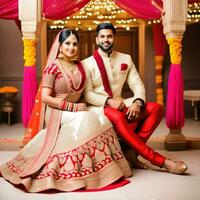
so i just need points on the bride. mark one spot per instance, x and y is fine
(76, 148)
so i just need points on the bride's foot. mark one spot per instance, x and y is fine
(139, 165)
(175, 167)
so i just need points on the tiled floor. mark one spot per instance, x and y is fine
(151, 184)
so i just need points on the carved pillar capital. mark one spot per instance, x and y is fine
(30, 16)
(174, 17)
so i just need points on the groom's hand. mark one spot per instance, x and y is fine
(116, 103)
(133, 111)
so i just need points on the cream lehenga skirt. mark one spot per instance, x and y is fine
(86, 155)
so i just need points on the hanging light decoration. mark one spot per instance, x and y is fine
(95, 12)
(194, 12)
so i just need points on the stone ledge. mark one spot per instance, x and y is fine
(157, 143)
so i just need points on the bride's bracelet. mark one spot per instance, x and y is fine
(68, 106)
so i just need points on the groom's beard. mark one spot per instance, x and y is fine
(106, 48)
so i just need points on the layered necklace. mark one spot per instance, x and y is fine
(70, 66)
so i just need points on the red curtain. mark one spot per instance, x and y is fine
(193, 1)
(159, 46)
(159, 39)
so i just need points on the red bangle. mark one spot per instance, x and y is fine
(68, 106)
(63, 105)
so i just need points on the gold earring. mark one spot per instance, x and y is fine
(60, 55)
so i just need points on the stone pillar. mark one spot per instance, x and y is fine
(30, 16)
(174, 20)
(174, 17)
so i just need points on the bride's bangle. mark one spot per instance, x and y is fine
(68, 106)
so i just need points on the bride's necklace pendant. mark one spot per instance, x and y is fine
(68, 66)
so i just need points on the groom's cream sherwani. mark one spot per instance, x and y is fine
(120, 70)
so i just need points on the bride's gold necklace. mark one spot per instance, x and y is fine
(68, 66)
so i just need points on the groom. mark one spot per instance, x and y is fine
(107, 71)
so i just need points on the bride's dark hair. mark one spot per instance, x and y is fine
(66, 33)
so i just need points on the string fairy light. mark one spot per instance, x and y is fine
(94, 13)
(97, 11)
(193, 15)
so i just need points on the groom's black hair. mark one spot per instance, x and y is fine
(105, 25)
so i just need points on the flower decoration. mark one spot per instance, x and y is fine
(159, 79)
(8, 89)
(159, 96)
(29, 52)
(175, 47)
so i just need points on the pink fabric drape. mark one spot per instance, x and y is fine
(144, 9)
(52, 9)
(8, 9)
(29, 92)
(175, 105)
(59, 9)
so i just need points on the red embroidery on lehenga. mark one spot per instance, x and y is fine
(59, 75)
(51, 69)
(86, 159)
(54, 70)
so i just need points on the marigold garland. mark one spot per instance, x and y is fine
(159, 79)
(175, 48)
(160, 99)
(159, 62)
(8, 89)
(29, 52)
(159, 96)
